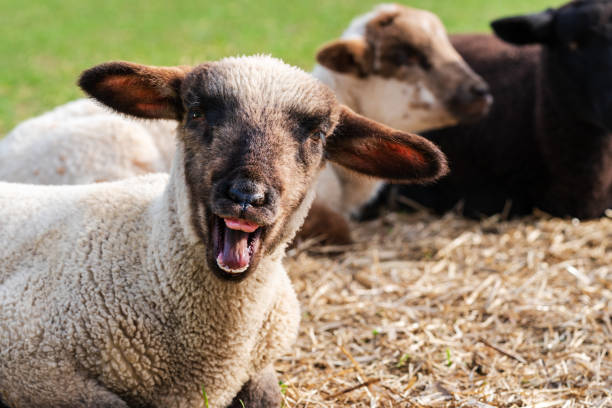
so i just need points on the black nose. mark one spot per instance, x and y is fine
(479, 90)
(247, 192)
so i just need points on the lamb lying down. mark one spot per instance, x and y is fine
(85, 142)
(145, 291)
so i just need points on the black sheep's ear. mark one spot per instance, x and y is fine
(527, 29)
(137, 90)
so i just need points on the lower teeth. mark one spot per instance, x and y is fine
(226, 269)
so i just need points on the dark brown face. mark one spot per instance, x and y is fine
(248, 167)
(254, 134)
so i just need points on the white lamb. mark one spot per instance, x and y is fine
(84, 142)
(146, 291)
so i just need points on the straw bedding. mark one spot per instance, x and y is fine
(447, 312)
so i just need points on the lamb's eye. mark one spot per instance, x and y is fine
(403, 56)
(318, 135)
(195, 119)
(195, 114)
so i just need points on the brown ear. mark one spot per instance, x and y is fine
(347, 56)
(370, 148)
(138, 90)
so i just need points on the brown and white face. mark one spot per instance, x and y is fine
(254, 134)
(410, 76)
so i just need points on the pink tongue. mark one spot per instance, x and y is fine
(235, 254)
(241, 225)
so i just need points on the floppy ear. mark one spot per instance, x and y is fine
(138, 90)
(527, 29)
(347, 56)
(373, 149)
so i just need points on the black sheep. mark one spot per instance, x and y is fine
(547, 142)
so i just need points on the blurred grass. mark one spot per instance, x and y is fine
(45, 44)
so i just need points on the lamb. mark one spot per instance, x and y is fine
(397, 66)
(84, 142)
(547, 142)
(394, 64)
(143, 292)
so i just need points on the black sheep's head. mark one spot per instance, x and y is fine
(578, 52)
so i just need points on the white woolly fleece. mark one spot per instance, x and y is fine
(107, 286)
(84, 142)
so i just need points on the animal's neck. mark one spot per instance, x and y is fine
(340, 84)
(575, 149)
(386, 100)
(564, 112)
(565, 101)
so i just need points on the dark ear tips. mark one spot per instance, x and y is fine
(137, 90)
(428, 161)
(438, 164)
(95, 81)
(346, 56)
(527, 29)
(91, 77)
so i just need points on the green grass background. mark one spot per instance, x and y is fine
(45, 44)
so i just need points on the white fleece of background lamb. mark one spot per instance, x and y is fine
(84, 142)
(110, 279)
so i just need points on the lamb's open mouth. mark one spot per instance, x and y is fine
(235, 243)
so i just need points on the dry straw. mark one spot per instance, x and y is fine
(448, 312)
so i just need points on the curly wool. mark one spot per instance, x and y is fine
(108, 287)
(84, 142)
